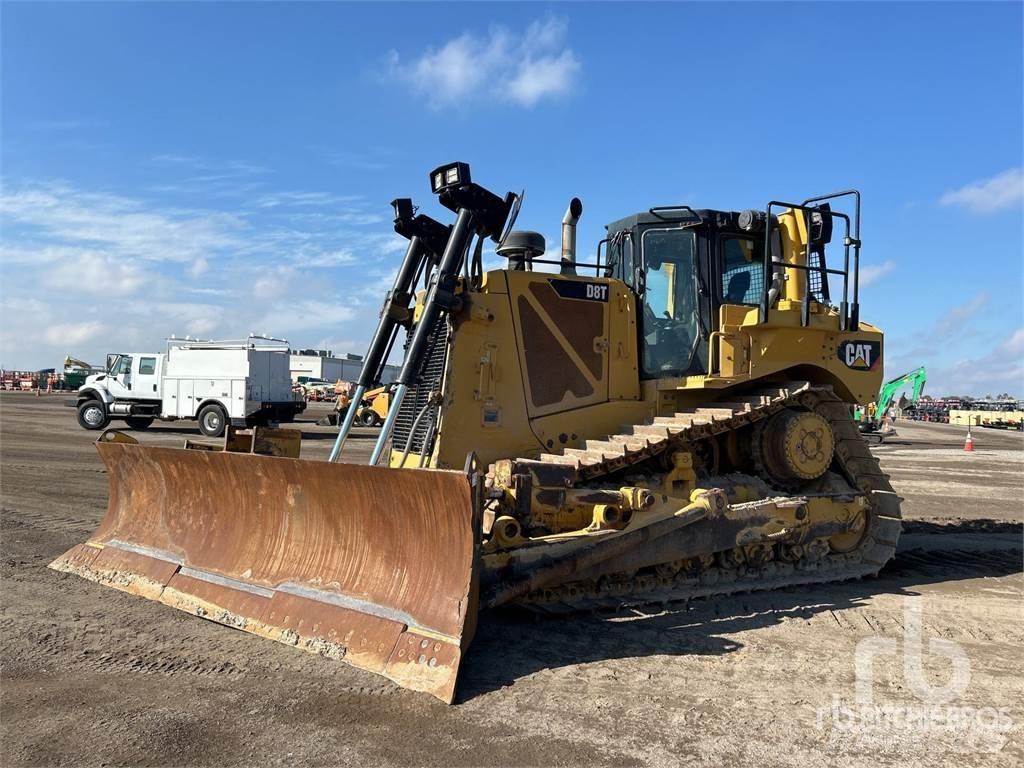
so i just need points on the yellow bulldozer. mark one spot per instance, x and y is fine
(371, 411)
(669, 421)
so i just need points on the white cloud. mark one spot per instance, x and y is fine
(119, 225)
(56, 222)
(95, 273)
(966, 360)
(272, 281)
(213, 170)
(71, 334)
(1004, 190)
(202, 326)
(198, 267)
(341, 345)
(301, 198)
(872, 272)
(333, 258)
(1014, 344)
(165, 318)
(501, 66)
(988, 375)
(109, 272)
(543, 77)
(304, 316)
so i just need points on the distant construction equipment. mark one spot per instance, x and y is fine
(870, 421)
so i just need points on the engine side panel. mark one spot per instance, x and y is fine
(538, 360)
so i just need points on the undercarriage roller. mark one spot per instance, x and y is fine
(794, 446)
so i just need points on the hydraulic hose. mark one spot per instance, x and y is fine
(412, 433)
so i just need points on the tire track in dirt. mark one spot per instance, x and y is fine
(956, 562)
(52, 521)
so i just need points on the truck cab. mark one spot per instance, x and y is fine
(130, 387)
(134, 376)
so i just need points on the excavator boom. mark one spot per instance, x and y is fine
(915, 379)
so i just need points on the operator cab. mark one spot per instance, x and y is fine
(683, 265)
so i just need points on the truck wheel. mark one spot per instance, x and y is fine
(369, 418)
(138, 422)
(92, 415)
(212, 420)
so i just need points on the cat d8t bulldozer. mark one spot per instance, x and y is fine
(669, 421)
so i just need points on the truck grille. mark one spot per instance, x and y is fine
(428, 380)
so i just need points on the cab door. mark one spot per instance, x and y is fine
(119, 378)
(146, 377)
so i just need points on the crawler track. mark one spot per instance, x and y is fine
(603, 458)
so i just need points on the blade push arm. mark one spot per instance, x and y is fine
(427, 239)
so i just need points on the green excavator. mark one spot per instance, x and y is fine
(870, 425)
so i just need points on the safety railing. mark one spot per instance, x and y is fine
(849, 308)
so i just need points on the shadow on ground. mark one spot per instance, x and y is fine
(512, 643)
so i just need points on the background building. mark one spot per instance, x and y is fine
(322, 364)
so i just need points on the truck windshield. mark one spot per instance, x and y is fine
(670, 301)
(118, 364)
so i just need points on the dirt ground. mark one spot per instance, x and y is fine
(92, 676)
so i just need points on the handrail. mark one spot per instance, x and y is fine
(849, 311)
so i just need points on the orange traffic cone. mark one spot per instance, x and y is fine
(969, 442)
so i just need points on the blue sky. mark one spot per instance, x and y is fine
(219, 169)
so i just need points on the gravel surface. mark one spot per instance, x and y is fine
(92, 676)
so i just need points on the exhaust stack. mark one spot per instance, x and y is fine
(572, 215)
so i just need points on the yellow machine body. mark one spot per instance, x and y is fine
(529, 371)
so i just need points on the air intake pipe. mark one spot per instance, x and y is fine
(572, 215)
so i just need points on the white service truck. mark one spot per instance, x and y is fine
(243, 383)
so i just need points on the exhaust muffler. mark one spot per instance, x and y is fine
(572, 216)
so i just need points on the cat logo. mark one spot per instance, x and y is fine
(860, 355)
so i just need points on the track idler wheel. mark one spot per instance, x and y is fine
(794, 447)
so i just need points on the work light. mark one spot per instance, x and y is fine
(448, 176)
(404, 208)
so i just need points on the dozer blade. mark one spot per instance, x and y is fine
(376, 567)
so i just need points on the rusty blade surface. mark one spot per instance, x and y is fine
(370, 565)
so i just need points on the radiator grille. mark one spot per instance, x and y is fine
(428, 380)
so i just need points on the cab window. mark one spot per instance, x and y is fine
(124, 365)
(742, 270)
(627, 260)
(670, 324)
(620, 257)
(147, 365)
